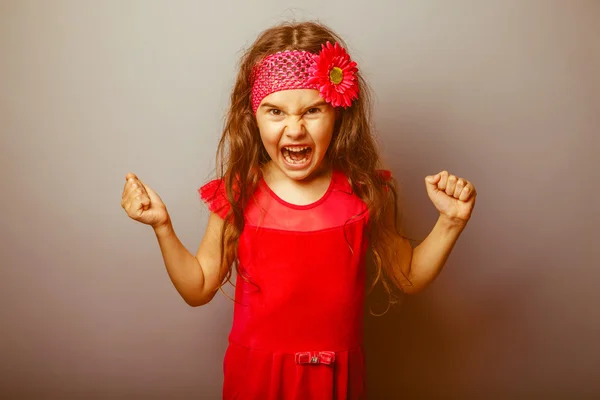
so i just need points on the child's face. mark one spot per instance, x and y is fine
(296, 127)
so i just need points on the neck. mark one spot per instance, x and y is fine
(271, 172)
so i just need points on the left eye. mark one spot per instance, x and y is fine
(313, 110)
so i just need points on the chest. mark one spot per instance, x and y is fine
(299, 261)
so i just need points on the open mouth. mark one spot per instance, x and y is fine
(296, 155)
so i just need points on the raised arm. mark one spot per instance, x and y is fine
(196, 278)
(417, 268)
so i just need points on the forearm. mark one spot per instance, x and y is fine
(183, 268)
(429, 257)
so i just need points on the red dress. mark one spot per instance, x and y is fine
(298, 317)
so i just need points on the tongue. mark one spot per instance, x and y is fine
(297, 155)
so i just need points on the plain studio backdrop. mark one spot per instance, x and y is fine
(504, 93)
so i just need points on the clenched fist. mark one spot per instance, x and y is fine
(142, 203)
(453, 197)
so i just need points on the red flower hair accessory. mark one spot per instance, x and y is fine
(331, 72)
(335, 74)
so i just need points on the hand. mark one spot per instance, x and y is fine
(453, 197)
(142, 203)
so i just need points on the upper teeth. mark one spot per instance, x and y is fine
(296, 148)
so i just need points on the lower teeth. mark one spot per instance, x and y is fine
(289, 159)
(292, 161)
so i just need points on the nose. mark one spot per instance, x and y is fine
(295, 128)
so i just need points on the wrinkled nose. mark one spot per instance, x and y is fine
(295, 129)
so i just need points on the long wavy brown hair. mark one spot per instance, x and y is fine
(353, 150)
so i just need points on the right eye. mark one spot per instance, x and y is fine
(274, 111)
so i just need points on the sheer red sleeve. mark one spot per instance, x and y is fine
(213, 195)
(385, 175)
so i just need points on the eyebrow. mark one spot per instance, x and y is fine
(318, 104)
(268, 105)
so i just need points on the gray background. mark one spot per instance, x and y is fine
(504, 93)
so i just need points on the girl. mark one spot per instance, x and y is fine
(297, 208)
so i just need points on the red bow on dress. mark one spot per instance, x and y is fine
(316, 357)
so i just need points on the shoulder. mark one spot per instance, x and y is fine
(385, 178)
(213, 194)
(382, 177)
(381, 181)
(384, 174)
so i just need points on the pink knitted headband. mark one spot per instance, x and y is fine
(331, 72)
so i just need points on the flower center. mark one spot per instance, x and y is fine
(336, 75)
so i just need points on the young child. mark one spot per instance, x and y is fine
(298, 206)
